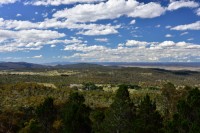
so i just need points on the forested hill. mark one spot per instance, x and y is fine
(25, 65)
(19, 65)
(164, 66)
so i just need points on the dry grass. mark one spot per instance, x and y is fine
(47, 73)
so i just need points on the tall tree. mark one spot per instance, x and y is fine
(76, 115)
(148, 119)
(46, 114)
(119, 116)
(169, 99)
(97, 118)
(187, 118)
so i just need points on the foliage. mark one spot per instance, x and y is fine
(31, 127)
(29, 108)
(91, 86)
(76, 115)
(119, 116)
(187, 118)
(169, 92)
(97, 118)
(46, 114)
(148, 118)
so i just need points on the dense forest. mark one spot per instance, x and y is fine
(71, 112)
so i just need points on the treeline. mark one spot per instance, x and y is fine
(123, 116)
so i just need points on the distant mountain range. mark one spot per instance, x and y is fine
(25, 65)
(19, 65)
(181, 64)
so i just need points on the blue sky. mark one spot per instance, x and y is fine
(43, 31)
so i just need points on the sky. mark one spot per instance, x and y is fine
(44, 31)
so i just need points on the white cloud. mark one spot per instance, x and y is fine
(135, 43)
(133, 22)
(167, 44)
(52, 46)
(149, 10)
(94, 32)
(37, 56)
(18, 15)
(66, 41)
(168, 27)
(59, 2)
(192, 26)
(110, 10)
(45, 14)
(168, 35)
(16, 24)
(174, 5)
(26, 39)
(132, 51)
(190, 39)
(84, 48)
(101, 39)
(7, 1)
(86, 29)
(198, 11)
(184, 33)
(158, 26)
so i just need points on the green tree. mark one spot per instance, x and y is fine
(76, 115)
(31, 127)
(187, 118)
(91, 86)
(97, 118)
(119, 116)
(169, 99)
(148, 119)
(46, 114)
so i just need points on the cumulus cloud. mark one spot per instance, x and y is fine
(37, 56)
(167, 44)
(7, 1)
(198, 11)
(94, 32)
(26, 39)
(101, 39)
(16, 24)
(110, 10)
(192, 26)
(135, 43)
(18, 15)
(149, 10)
(86, 29)
(174, 5)
(131, 51)
(58, 2)
(168, 35)
(190, 39)
(168, 27)
(158, 26)
(133, 22)
(84, 48)
(53, 45)
(184, 33)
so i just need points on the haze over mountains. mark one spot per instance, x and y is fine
(163, 65)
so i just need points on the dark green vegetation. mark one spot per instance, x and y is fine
(97, 99)
(122, 116)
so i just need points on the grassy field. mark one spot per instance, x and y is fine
(46, 73)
